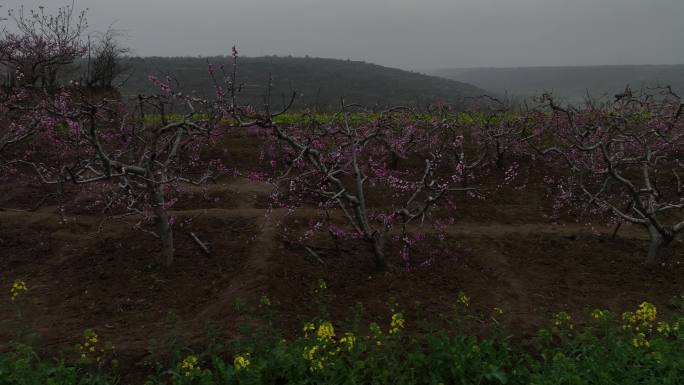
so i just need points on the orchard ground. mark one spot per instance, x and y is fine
(505, 251)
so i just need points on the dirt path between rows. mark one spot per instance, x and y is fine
(109, 282)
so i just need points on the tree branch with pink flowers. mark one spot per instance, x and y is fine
(336, 165)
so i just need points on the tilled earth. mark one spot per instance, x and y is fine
(503, 252)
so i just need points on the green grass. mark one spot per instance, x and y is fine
(360, 118)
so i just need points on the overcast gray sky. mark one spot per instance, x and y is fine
(409, 34)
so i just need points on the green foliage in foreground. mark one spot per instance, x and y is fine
(634, 350)
(24, 367)
(637, 347)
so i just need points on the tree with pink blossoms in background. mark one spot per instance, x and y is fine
(626, 161)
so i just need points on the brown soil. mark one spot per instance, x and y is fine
(503, 252)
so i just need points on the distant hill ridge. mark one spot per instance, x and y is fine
(570, 83)
(320, 83)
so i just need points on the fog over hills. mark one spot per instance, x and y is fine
(319, 83)
(569, 83)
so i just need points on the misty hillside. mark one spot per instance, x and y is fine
(569, 83)
(319, 82)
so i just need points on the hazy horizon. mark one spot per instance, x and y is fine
(429, 35)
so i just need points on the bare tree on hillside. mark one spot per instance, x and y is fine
(104, 59)
(43, 44)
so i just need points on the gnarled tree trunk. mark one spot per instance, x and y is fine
(378, 242)
(161, 219)
(660, 247)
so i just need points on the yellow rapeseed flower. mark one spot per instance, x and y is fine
(348, 340)
(639, 340)
(463, 299)
(600, 315)
(311, 355)
(241, 361)
(310, 352)
(18, 288)
(397, 323)
(376, 332)
(642, 319)
(325, 332)
(308, 327)
(189, 365)
(89, 345)
(647, 312)
(562, 321)
(664, 328)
